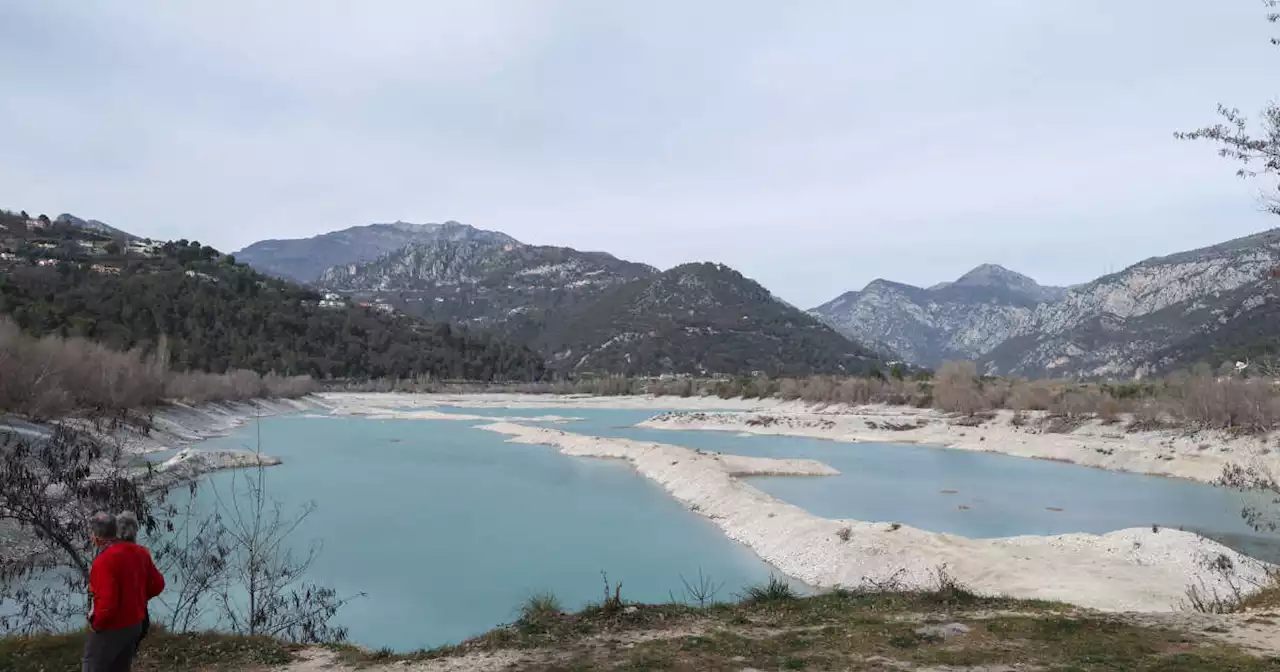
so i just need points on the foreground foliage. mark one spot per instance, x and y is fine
(230, 559)
(161, 652)
(53, 377)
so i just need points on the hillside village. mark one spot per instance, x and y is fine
(42, 242)
(67, 242)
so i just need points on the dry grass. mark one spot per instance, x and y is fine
(54, 377)
(160, 652)
(844, 630)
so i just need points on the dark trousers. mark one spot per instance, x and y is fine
(111, 650)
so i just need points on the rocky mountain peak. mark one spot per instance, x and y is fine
(986, 275)
(304, 259)
(995, 276)
(950, 320)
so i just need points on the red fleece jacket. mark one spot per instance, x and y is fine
(123, 578)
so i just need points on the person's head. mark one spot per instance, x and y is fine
(127, 526)
(102, 528)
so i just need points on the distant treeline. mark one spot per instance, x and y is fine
(1196, 398)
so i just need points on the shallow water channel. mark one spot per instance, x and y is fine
(447, 528)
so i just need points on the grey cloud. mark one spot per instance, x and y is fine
(813, 145)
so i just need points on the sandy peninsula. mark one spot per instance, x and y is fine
(1137, 569)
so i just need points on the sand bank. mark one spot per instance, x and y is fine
(178, 425)
(1181, 453)
(374, 413)
(1129, 570)
(189, 464)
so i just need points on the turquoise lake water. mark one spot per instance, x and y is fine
(447, 528)
(1006, 496)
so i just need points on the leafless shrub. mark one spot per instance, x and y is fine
(1109, 409)
(995, 393)
(1031, 396)
(50, 485)
(1076, 403)
(845, 533)
(857, 391)
(1208, 599)
(1261, 488)
(893, 583)
(54, 377)
(701, 593)
(1148, 416)
(1246, 406)
(1061, 424)
(956, 388)
(789, 389)
(612, 602)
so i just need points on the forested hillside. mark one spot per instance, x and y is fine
(218, 315)
(697, 319)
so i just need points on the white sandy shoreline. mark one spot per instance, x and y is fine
(1137, 569)
(1177, 453)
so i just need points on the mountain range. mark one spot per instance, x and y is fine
(949, 321)
(1206, 305)
(587, 312)
(305, 259)
(593, 312)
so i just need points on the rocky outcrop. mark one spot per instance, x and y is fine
(1205, 305)
(304, 259)
(483, 282)
(1133, 322)
(955, 320)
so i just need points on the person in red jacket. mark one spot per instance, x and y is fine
(121, 582)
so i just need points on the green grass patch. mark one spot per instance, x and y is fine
(161, 652)
(775, 590)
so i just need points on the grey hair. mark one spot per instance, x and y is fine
(127, 525)
(103, 525)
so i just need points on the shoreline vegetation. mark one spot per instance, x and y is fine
(1192, 399)
(52, 378)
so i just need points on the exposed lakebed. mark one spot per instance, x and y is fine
(447, 528)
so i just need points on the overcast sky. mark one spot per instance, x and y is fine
(813, 145)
